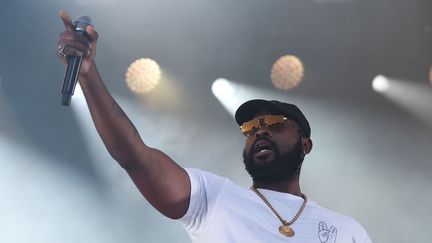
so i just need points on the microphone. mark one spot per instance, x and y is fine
(74, 63)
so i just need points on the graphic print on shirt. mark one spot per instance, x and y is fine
(325, 234)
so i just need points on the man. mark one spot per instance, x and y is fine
(211, 208)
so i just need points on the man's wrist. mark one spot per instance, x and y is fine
(90, 74)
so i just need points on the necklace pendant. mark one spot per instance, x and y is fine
(286, 230)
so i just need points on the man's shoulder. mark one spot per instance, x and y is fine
(208, 179)
(203, 174)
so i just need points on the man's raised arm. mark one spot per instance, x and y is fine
(163, 183)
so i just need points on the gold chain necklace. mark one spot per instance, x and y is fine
(285, 228)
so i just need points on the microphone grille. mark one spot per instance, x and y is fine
(82, 22)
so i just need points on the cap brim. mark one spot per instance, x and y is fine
(249, 109)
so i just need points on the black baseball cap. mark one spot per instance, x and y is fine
(248, 110)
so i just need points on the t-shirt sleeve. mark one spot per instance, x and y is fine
(205, 188)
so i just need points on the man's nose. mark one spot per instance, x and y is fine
(262, 132)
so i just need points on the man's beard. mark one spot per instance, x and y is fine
(283, 167)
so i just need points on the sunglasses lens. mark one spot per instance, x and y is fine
(273, 120)
(249, 127)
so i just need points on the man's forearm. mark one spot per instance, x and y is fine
(116, 130)
(162, 182)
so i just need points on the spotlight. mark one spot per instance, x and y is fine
(287, 72)
(222, 87)
(380, 84)
(143, 75)
(228, 93)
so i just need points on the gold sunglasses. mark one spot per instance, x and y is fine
(250, 127)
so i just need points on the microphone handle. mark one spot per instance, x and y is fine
(70, 79)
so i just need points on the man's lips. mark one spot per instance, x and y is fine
(262, 148)
(263, 154)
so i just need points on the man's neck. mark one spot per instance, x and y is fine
(287, 186)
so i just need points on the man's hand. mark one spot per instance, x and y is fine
(72, 43)
(325, 234)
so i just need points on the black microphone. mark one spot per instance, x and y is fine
(74, 63)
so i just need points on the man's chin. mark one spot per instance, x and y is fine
(264, 157)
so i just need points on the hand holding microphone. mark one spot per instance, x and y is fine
(77, 49)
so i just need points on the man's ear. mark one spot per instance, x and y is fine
(307, 145)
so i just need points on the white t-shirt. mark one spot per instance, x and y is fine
(223, 212)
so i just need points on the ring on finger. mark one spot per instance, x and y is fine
(60, 50)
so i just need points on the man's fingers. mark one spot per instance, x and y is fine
(73, 37)
(92, 35)
(73, 45)
(322, 226)
(67, 21)
(69, 50)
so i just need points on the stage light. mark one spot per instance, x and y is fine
(380, 84)
(231, 95)
(414, 97)
(287, 72)
(223, 90)
(222, 87)
(143, 75)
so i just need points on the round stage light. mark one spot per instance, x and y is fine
(143, 75)
(287, 72)
(380, 83)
